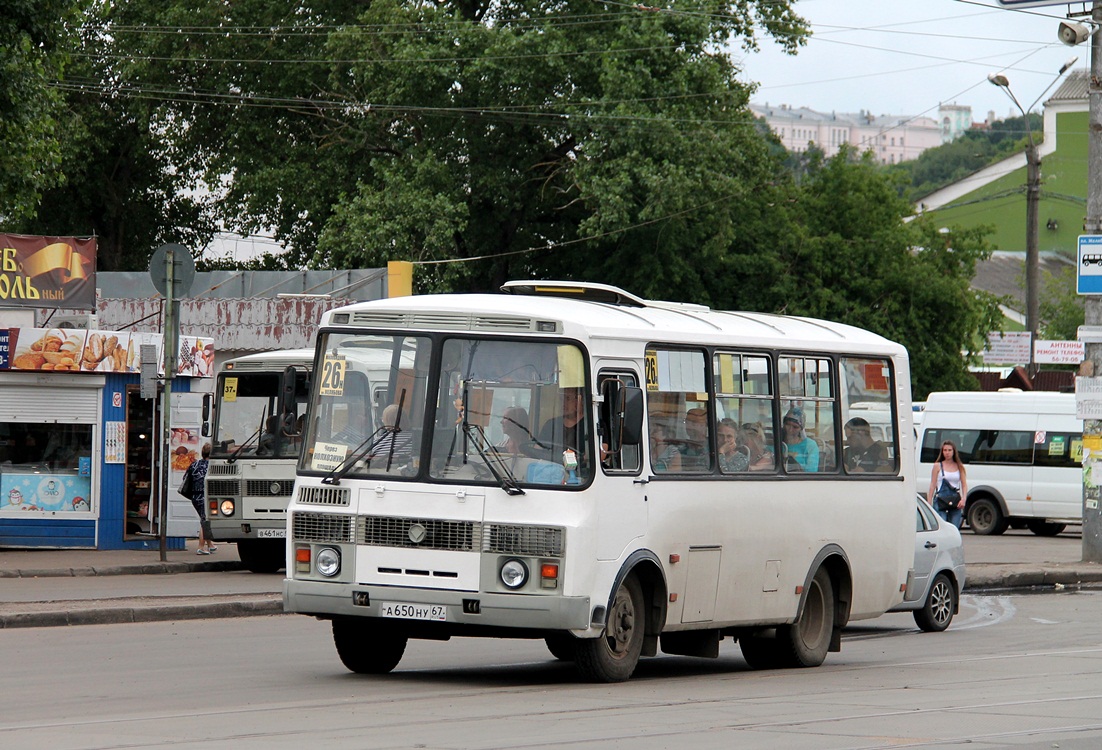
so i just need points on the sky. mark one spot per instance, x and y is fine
(906, 58)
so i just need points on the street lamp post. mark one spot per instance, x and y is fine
(1032, 206)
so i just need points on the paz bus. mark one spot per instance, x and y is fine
(251, 472)
(554, 472)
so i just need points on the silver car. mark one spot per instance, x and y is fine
(933, 590)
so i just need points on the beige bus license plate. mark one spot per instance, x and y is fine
(413, 611)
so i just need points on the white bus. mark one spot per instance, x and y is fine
(555, 474)
(252, 469)
(1022, 452)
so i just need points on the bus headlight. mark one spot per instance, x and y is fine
(514, 574)
(328, 562)
(226, 507)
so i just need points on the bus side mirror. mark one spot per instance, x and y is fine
(205, 429)
(621, 415)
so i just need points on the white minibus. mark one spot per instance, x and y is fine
(609, 474)
(1022, 454)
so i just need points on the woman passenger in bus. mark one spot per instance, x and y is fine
(514, 423)
(733, 455)
(801, 452)
(752, 436)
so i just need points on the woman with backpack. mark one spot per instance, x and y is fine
(948, 485)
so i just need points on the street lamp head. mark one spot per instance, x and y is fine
(1067, 66)
(998, 79)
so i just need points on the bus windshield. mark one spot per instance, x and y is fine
(369, 405)
(248, 419)
(514, 411)
(504, 412)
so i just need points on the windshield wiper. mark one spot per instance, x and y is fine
(337, 472)
(477, 437)
(243, 446)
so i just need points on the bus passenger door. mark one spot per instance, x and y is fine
(620, 498)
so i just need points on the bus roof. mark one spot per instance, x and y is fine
(596, 311)
(1009, 402)
(271, 361)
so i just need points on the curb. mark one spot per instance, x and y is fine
(159, 568)
(1014, 576)
(266, 604)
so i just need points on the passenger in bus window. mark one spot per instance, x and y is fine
(694, 451)
(396, 445)
(514, 423)
(862, 453)
(665, 458)
(752, 436)
(801, 452)
(568, 431)
(732, 456)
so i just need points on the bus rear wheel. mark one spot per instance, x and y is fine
(805, 642)
(986, 518)
(613, 656)
(365, 648)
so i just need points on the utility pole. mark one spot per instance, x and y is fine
(1092, 515)
(1032, 254)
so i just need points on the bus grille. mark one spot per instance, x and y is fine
(223, 487)
(324, 495)
(223, 470)
(380, 531)
(321, 527)
(538, 541)
(460, 536)
(269, 487)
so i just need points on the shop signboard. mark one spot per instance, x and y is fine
(48, 272)
(5, 337)
(76, 350)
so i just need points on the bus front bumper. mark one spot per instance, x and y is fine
(477, 609)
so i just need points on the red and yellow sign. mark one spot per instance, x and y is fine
(47, 272)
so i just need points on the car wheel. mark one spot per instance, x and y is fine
(805, 642)
(1046, 528)
(985, 517)
(941, 603)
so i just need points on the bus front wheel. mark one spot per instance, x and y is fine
(986, 518)
(366, 648)
(613, 656)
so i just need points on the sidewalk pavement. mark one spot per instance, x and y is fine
(20, 569)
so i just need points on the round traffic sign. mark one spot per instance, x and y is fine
(183, 270)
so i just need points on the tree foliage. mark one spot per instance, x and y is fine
(34, 39)
(849, 255)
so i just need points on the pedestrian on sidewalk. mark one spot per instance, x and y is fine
(949, 470)
(198, 471)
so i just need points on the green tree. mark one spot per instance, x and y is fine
(849, 255)
(34, 37)
(121, 180)
(456, 130)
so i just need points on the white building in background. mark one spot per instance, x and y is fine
(891, 138)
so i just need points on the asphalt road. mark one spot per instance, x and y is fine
(1014, 671)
